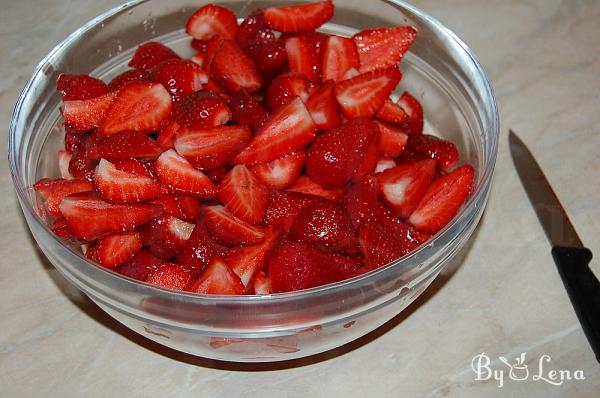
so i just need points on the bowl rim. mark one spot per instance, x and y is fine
(479, 195)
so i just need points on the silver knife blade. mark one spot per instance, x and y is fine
(550, 212)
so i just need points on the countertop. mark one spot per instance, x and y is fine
(503, 297)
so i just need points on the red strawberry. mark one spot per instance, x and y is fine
(125, 145)
(442, 200)
(403, 186)
(384, 164)
(201, 110)
(270, 58)
(134, 166)
(118, 248)
(186, 208)
(121, 187)
(90, 218)
(393, 140)
(213, 87)
(413, 109)
(84, 115)
(253, 30)
(176, 172)
(199, 45)
(288, 130)
(336, 156)
(284, 89)
(361, 200)
(72, 139)
(130, 75)
(138, 106)
(323, 107)
(64, 158)
(247, 110)
(211, 20)
(166, 137)
(244, 195)
(280, 173)
(150, 54)
(217, 278)
(54, 191)
(261, 284)
(305, 185)
(140, 265)
(80, 87)
(212, 148)
(180, 77)
(429, 146)
(61, 229)
(81, 164)
(392, 113)
(198, 59)
(302, 57)
(297, 265)
(230, 230)
(170, 276)
(300, 17)
(165, 235)
(338, 56)
(233, 69)
(217, 175)
(363, 95)
(212, 47)
(383, 47)
(284, 207)
(199, 249)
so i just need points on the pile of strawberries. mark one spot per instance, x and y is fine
(268, 162)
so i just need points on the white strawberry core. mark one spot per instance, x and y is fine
(181, 229)
(384, 164)
(395, 192)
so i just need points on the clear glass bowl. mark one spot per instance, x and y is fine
(439, 69)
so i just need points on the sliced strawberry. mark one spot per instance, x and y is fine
(363, 95)
(217, 278)
(140, 265)
(72, 139)
(130, 75)
(170, 276)
(61, 229)
(302, 57)
(64, 158)
(176, 172)
(150, 54)
(339, 55)
(297, 265)
(323, 107)
(134, 166)
(336, 156)
(118, 248)
(199, 249)
(81, 164)
(261, 284)
(384, 164)
(211, 20)
(429, 146)
(165, 235)
(186, 208)
(217, 175)
(230, 230)
(166, 137)
(442, 200)
(198, 59)
(288, 130)
(212, 47)
(233, 69)
(54, 191)
(305, 185)
(270, 58)
(211, 148)
(180, 77)
(383, 47)
(412, 107)
(361, 200)
(244, 194)
(121, 187)
(247, 110)
(280, 173)
(84, 115)
(89, 217)
(284, 207)
(138, 106)
(300, 17)
(403, 186)
(393, 140)
(80, 87)
(247, 261)
(369, 161)
(284, 89)
(254, 30)
(392, 113)
(201, 110)
(125, 145)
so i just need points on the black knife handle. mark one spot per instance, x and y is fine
(583, 289)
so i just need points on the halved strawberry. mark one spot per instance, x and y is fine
(339, 55)
(280, 173)
(170, 276)
(89, 217)
(305, 185)
(198, 251)
(64, 158)
(284, 207)
(230, 230)
(140, 265)
(211, 148)
(442, 200)
(300, 17)
(247, 110)
(429, 146)
(179, 76)
(150, 54)
(166, 137)
(404, 185)
(302, 58)
(285, 88)
(384, 164)
(118, 186)
(233, 69)
(383, 47)
(363, 95)
(186, 208)
(288, 130)
(125, 145)
(138, 106)
(323, 107)
(392, 113)
(261, 284)
(117, 248)
(130, 75)
(54, 191)
(244, 194)
(84, 115)
(176, 172)
(211, 20)
(134, 166)
(413, 109)
(80, 87)
(201, 110)
(217, 278)
(392, 141)
(165, 235)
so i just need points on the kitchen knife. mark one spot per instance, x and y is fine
(571, 257)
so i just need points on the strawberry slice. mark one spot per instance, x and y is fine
(117, 248)
(165, 235)
(201, 110)
(383, 47)
(54, 191)
(199, 249)
(247, 110)
(134, 166)
(284, 207)
(64, 158)
(393, 140)
(305, 185)
(176, 172)
(118, 186)
(403, 186)
(442, 200)
(384, 164)
(230, 230)
(89, 217)
(361, 199)
(339, 55)
(186, 208)
(300, 17)
(125, 145)
(212, 148)
(180, 77)
(280, 173)
(166, 137)
(413, 109)
(80, 87)
(138, 106)
(302, 57)
(363, 95)
(261, 284)
(140, 265)
(288, 130)
(84, 115)
(170, 276)
(217, 278)
(429, 146)
(392, 113)
(233, 69)
(130, 75)
(211, 20)
(323, 107)
(212, 47)
(244, 195)
(285, 88)
(150, 54)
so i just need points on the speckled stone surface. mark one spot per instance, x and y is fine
(503, 298)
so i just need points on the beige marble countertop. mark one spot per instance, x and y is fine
(504, 298)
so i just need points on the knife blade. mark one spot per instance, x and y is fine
(570, 256)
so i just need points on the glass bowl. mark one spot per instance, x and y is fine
(439, 69)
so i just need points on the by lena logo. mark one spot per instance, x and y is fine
(519, 370)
